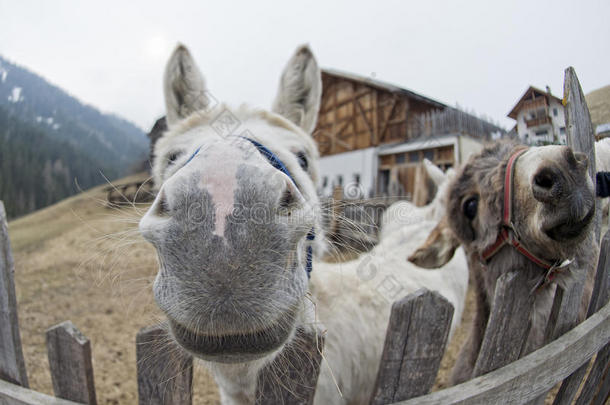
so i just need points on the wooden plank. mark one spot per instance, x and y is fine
(564, 316)
(569, 387)
(365, 119)
(165, 371)
(599, 297)
(603, 395)
(601, 287)
(508, 325)
(69, 353)
(564, 313)
(596, 375)
(375, 119)
(292, 377)
(579, 129)
(384, 126)
(415, 343)
(12, 364)
(530, 376)
(11, 394)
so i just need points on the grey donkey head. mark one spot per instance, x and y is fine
(229, 227)
(553, 205)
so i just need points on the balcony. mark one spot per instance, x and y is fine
(537, 121)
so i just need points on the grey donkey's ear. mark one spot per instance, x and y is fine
(298, 96)
(183, 85)
(438, 248)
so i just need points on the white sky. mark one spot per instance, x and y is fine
(480, 54)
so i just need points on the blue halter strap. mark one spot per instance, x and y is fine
(279, 165)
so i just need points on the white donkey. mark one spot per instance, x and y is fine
(233, 224)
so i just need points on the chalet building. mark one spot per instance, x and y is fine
(540, 118)
(373, 136)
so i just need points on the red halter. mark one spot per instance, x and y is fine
(508, 234)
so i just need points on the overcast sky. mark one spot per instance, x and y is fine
(480, 54)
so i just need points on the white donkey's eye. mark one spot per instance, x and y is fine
(303, 162)
(172, 157)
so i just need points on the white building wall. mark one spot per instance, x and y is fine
(347, 165)
(528, 135)
(558, 120)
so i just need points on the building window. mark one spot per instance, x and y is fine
(542, 133)
(383, 181)
(357, 179)
(413, 157)
(562, 130)
(324, 181)
(555, 112)
(429, 154)
(340, 180)
(400, 158)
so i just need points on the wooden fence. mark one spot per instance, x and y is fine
(577, 357)
(451, 121)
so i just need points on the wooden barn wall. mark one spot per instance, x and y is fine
(355, 115)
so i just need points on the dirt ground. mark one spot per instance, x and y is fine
(81, 261)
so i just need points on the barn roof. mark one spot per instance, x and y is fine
(383, 86)
(531, 90)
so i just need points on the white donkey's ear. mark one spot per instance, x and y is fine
(435, 172)
(183, 85)
(300, 90)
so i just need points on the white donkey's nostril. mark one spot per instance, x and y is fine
(161, 207)
(291, 198)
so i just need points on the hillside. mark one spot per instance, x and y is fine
(50, 141)
(37, 170)
(599, 105)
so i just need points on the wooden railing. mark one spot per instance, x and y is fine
(535, 122)
(577, 356)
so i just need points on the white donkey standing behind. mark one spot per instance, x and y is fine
(232, 226)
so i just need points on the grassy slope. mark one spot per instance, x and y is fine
(599, 105)
(81, 261)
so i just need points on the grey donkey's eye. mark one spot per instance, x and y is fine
(469, 208)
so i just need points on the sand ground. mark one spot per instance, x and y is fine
(81, 261)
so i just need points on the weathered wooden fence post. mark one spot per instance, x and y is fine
(69, 354)
(292, 377)
(580, 131)
(598, 376)
(165, 371)
(581, 138)
(508, 325)
(12, 364)
(414, 346)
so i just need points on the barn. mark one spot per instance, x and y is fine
(373, 136)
